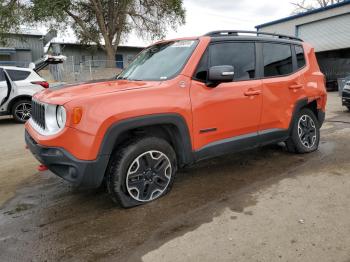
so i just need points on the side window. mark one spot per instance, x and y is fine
(2, 75)
(202, 68)
(241, 55)
(299, 51)
(277, 59)
(18, 75)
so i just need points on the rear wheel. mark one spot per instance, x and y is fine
(22, 110)
(348, 108)
(305, 136)
(141, 172)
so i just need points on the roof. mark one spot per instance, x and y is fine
(16, 68)
(7, 50)
(27, 31)
(78, 44)
(315, 11)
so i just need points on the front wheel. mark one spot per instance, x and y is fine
(305, 134)
(22, 110)
(348, 108)
(141, 172)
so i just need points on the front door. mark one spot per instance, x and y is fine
(229, 112)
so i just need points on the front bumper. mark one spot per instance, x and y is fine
(346, 98)
(86, 174)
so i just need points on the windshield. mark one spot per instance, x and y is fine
(160, 62)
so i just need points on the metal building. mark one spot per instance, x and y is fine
(83, 54)
(21, 49)
(328, 30)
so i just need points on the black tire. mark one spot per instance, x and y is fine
(141, 155)
(305, 133)
(348, 108)
(25, 106)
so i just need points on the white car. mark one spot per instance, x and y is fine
(17, 86)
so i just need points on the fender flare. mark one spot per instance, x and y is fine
(183, 140)
(298, 106)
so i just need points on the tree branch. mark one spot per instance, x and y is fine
(82, 25)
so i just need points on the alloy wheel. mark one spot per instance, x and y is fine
(307, 131)
(148, 176)
(23, 111)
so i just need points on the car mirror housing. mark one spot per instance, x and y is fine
(220, 74)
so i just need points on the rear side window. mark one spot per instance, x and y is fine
(18, 75)
(299, 51)
(241, 55)
(277, 59)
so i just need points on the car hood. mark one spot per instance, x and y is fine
(64, 94)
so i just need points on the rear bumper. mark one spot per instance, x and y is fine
(86, 174)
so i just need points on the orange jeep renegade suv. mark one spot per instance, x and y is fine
(178, 102)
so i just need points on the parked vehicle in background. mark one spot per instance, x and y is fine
(17, 86)
(47, 60)
(346, 95)
(179, 102)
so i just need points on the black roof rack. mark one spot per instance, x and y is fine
(257, 33)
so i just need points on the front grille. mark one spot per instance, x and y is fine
(38, 114)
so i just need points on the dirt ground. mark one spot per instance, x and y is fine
(262, 205)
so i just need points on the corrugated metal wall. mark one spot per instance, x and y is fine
(328, 34)
(34, 43)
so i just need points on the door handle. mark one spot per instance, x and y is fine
(252, 92)
(297, 86)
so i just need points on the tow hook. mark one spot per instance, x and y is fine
(42, 168)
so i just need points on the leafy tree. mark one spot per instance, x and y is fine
(104, 22)
(308, 5)
(9, 20)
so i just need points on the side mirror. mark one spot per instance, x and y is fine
(220, 74)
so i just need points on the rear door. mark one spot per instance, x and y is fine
(229, 112)
(283, 85)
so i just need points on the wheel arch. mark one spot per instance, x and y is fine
(305, 103)
(171, 127)
(16, 99)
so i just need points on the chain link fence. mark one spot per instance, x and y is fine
(72, 72)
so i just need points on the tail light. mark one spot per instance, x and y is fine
(44, 84)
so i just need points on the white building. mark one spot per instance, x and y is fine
(328, 30)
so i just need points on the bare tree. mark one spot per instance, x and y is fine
(308, 5)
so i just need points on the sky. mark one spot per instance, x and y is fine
(203, 16)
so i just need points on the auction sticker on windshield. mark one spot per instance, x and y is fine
(184, 43)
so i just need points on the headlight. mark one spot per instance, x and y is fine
(61, 116)
(55, 118)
